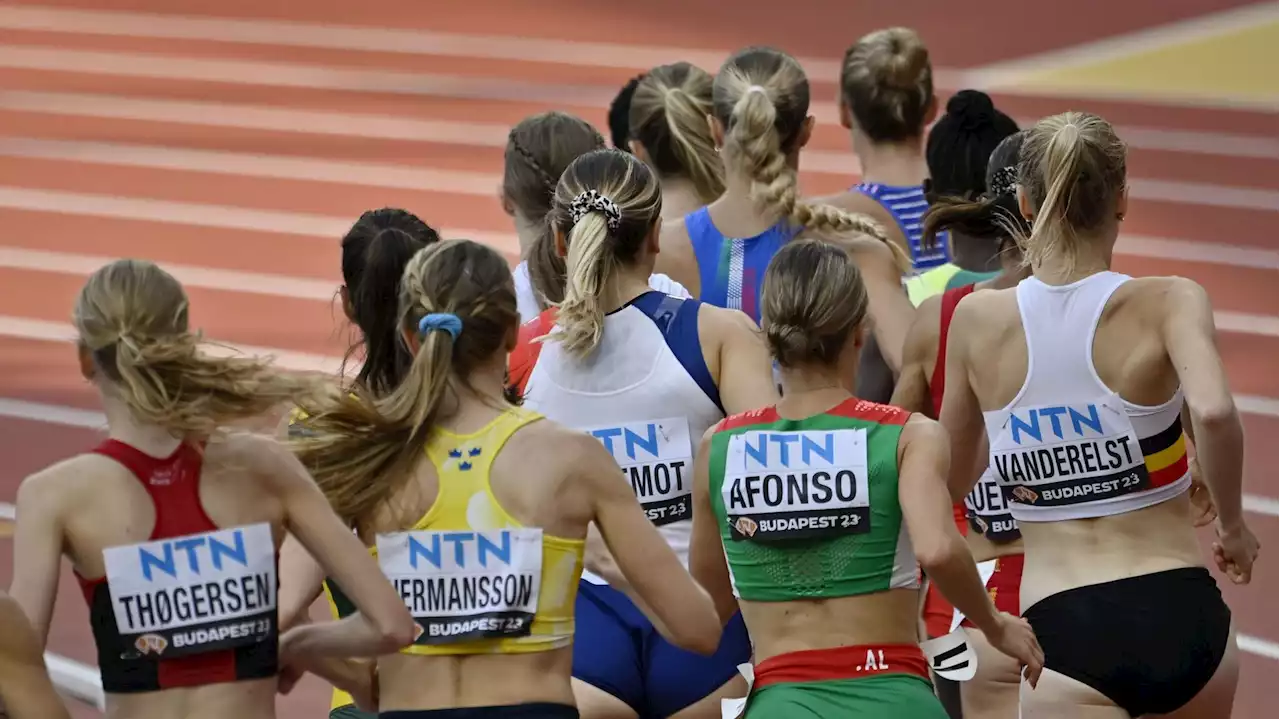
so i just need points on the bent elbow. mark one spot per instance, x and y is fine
(704, 640)
(940, 554)
(397, 632)
(1216, 416)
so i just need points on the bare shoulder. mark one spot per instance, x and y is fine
(923, 434)
(263, 456)
(552, 445)
(1169, 293)
(723, 319)
(60, 481)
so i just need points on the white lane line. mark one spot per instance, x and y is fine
(208, 113)
(470, 183)
(1258, 647)
(77, 680)
(43, 331)
(1247, 323)
(216, 216)
(1116, 47)
(297, 288)
(192, 276)
(311, 225)
(391, 127)
(1261, 505)
(633, 58)
(1252, 404)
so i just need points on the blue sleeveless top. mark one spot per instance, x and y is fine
(908, 205)
(731, 270)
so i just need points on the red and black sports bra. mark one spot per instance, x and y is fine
(193, 605)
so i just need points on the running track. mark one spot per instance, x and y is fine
(234, 145)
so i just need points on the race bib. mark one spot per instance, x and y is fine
(796, 485)
(988, 513)
(463, 586)
(657, 460)
(1059, 455)
(199, 593)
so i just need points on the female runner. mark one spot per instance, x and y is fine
(645, 373)
(993, 535)
(822, 505)
(538, 150)
(375, 252)
(668, 130)
(477, 510)
(760, 118)
(886, 102)
(25, 689)
(1079, 375)
(172, 524)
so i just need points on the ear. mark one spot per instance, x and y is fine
(860, 336)
(717, 131)
(806, 132)
(562, 247)
(347, 309)
(507, 206)
(1024, 206)
(88, 369)
(1122, 205)
(512, 340)
(930, 112)
(846, 114)
(412, 341)
(638, 150)
(651, 243)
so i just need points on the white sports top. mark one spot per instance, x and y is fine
(1067, 446)
(647, 395)
(527, 299)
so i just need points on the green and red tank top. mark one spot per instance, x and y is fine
(808, 508)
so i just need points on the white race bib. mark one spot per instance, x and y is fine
(794, 485)
(988, 512)
(463, 586)
(1060, 455)
(657, 460)
(198, 593)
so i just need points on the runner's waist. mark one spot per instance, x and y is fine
(853, 662)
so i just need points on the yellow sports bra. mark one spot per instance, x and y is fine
(476, 580)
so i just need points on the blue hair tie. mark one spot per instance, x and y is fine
(445, 321)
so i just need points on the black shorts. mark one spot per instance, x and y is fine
(535, 710)
(1148, 643)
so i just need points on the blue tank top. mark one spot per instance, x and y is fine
(908, 205)
(731, 270)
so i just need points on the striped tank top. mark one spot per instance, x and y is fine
(908, 205)
(731, 269)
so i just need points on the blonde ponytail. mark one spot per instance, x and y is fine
(1072, 167)
(131, 316)
(589, 264)
(668, 117)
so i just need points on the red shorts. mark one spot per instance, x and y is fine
(1004, 584)
(938, 612)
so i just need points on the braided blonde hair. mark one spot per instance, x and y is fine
(761, 97)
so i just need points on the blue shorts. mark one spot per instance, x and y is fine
(617, 650)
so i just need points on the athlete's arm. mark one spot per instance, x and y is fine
(382, 623)
(301, 581)
(912, 389)
(652, 570)
(745, 368)
(1190, 340)
(961, 415)
(706, 554)
(942, 552)
(889, 306)
(25, 689)
(37, 548)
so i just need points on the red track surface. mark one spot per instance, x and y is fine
(497, 93)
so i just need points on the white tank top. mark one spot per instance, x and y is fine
(646, 394)
(527, 299)
(1067, 447)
